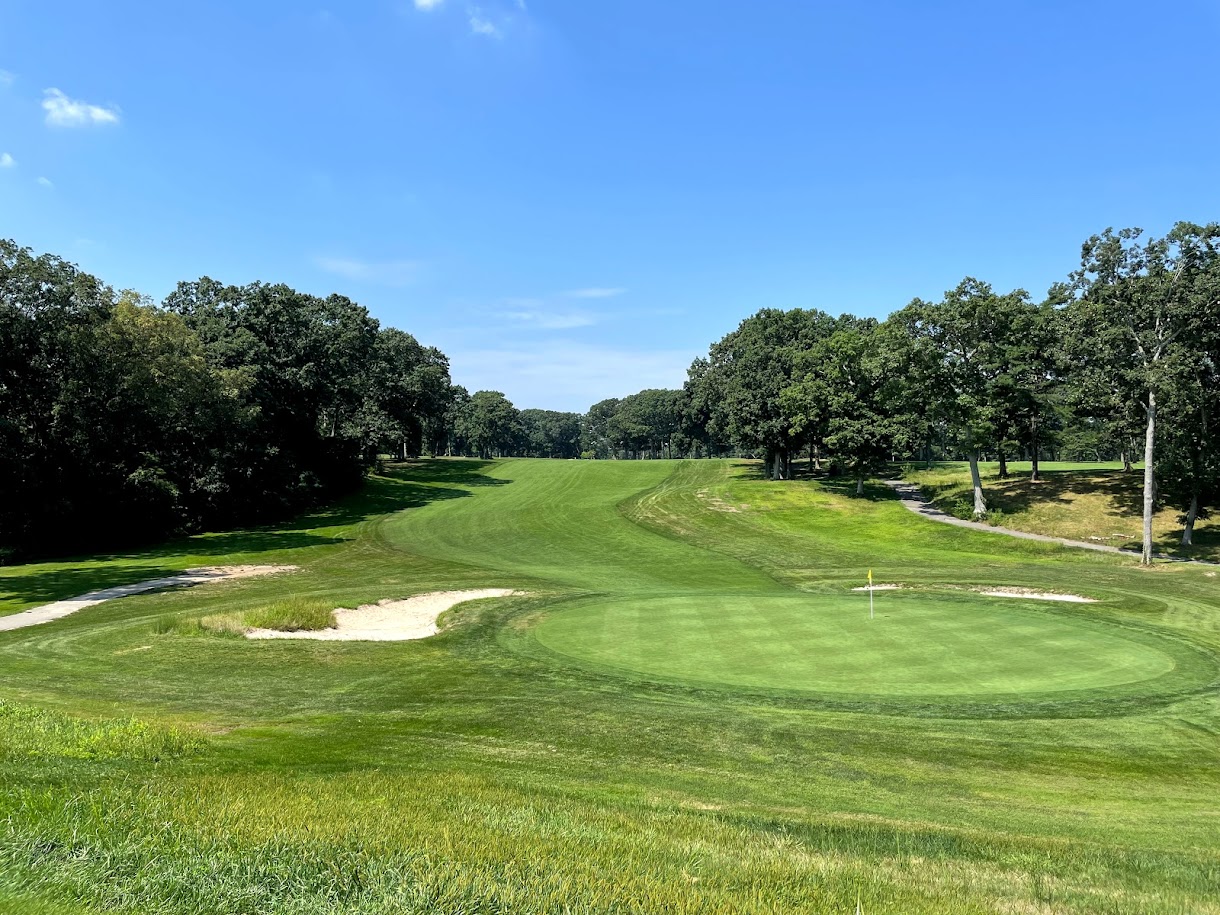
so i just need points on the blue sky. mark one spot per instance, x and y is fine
(573, 199)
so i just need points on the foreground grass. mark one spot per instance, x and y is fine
(479, 771)
(1100, 503)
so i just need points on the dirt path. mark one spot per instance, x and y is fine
(912, 498)
(61, 608)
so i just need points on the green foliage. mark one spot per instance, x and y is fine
(742, 382)
(227, 405)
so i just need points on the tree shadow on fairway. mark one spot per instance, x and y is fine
(399, 488)
(835, 484)
(1018, 494)
(45, 586)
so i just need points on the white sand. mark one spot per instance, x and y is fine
(61, 608)
(1030, 594)
(1024, 593)
(388, 620)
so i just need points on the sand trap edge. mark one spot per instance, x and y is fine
(389, 620)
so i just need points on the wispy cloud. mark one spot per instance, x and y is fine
(481, 25)
(45, 182)
(380, 273)
(7, 161)
(67, 112)
(7, 79)
(595, 292)
(428, 4)
(565, 374)
(550, 320)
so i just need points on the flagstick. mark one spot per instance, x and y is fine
(870, 600)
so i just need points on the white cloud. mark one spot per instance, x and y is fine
(381, 273)
(595, 292)
(428, 4)
(46, 182)
(567, 375)
(7, 161)
(481, 25)
(67, 112)
(549, 320)
(7, 79)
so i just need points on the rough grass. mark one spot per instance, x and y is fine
(27, 732)
(478, 771)
(1100, 503)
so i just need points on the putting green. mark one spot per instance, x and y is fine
(919, 644)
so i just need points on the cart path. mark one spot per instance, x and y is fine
(189, 577)
(913, 499)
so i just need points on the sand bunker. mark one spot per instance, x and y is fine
(1024, 593)
(388, 620)
(1030, 594)
(48, 612)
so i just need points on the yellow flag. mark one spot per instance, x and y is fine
(870, 576)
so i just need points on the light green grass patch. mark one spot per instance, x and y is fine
(916, 645)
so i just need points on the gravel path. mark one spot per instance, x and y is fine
(914, 500)
(61, 608)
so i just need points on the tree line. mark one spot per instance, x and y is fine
(1119, 359)
(122, 420)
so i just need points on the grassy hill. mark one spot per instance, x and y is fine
(1101, 503)
(688, 712)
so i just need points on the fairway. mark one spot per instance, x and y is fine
(918, 645)
(676, 691)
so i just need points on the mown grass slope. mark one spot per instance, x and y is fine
(151, 765)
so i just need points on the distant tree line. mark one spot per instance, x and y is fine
(123, 420)
(1119, 361)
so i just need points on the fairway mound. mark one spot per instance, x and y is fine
(202, 575)
(388, 620)
(1031, 594)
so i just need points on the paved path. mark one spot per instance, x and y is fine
(61, 608)
(913, 499)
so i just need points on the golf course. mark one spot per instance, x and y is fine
(685, 700)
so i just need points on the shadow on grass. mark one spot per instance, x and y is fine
(45, 586)
(397, 488)
(1124, 490)
(836, 484)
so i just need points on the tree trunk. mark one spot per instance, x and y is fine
(860, 485)
(1003, 460)
(980, 504)
(1149, 478)
(1033, 476)
(1126, 459)
(817, 458)
(1192, 514)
